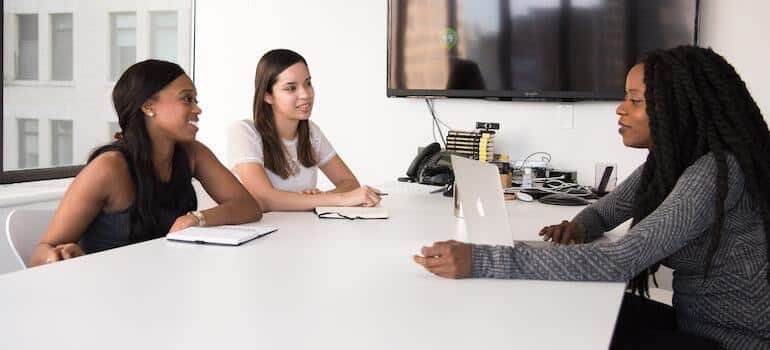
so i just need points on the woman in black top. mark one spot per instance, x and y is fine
(139, 187)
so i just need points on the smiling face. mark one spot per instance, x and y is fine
(292, 94)
(174, 110)
(634, 122)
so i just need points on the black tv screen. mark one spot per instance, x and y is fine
(524, 49)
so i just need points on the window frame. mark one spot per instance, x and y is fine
(41, 174)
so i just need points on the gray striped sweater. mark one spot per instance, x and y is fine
(732, 306)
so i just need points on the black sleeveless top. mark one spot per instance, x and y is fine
(174, 199)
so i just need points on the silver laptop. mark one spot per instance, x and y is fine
(481, 197)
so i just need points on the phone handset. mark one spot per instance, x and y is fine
(418, 163)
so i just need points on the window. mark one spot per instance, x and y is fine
(61, 142)
(163, 37)
(26, 58)
(61, 59)
(28, 143)
(61, 46)
(123, 42)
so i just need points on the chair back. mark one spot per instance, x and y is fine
(24, 228)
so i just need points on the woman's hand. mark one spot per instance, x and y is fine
(183, 222)
(63, 252)
(567, 232)
(311, 191)
(364, 195)
(450, 259)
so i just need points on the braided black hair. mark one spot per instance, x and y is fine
(697, 104)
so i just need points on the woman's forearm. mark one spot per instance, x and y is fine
(233, 212)
(278, 200)
(346, 186)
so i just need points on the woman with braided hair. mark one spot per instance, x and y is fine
(700, 204)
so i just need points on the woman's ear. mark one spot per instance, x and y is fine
(148, 110)
(268, 98)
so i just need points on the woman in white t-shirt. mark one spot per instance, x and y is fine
(277, 154)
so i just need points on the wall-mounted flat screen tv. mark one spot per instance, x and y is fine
(528, 49)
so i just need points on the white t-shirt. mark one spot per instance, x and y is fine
(244, 145)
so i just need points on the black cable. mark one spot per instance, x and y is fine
(432, 122)
(438, 125)
(433, 112)
(435, 122)
(433, 130)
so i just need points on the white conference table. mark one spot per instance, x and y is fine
(315, 283)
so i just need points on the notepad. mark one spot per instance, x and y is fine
(351, 213)
(222, 235)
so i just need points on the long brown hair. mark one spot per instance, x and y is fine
(269, 67)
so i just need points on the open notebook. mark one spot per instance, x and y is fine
(223, 235)
(351, 213)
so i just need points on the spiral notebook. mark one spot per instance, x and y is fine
(351, 213)
(221, 235)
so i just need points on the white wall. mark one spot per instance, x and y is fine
(738, 30)
(345, 45)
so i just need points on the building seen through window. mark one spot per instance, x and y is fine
(61, 142)
(163, 35)
(27, 50)
(28, 143)
(60, 62)
(61, 46)
(123, 51)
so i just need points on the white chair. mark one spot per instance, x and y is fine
(24, 227)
